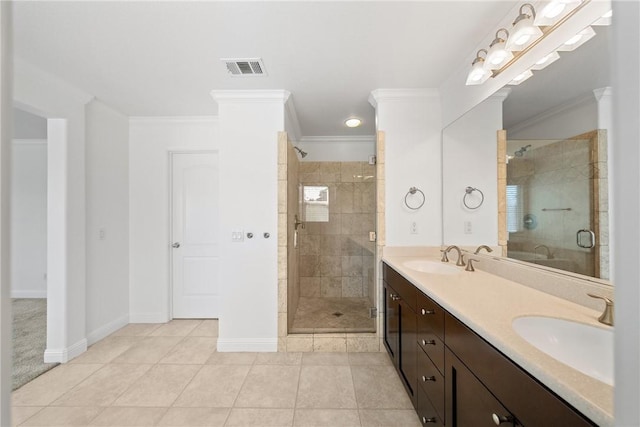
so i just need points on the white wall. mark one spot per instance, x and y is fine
(107, 165)
(469, 158)
(249, 126)
(28, 126)
(29, 218)
(412, 124)
(338, 149)
(64, 106)
(150, 141)
(626, 203)
(5, 161)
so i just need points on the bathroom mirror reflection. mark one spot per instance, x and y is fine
(551, 208)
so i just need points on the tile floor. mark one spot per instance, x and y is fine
(171, 375)
(317, 315)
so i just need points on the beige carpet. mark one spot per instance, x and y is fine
(29, 340)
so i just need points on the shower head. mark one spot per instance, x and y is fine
(522, 150)
(303, 154)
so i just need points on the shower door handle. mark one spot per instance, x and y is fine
(580, 237)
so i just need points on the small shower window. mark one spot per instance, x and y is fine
(316, 203)
(515, 209)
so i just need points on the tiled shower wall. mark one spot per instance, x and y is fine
(336, 257)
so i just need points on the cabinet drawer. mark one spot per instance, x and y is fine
(530, 401)
(405, 289)
(426, 412)
(432, 382)
(430, 316)
(434, 348)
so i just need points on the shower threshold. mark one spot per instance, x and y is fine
(333, 315)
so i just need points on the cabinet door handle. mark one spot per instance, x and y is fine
(499, 419)
(430, 342)
(425, 311)
(431, 378)
(426, 420)
(394, 297)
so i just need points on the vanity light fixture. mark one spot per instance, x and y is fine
(353, 122)
(552, 11)
(525, 35)
(578, 40)
(521, 78)
(498, 55)
(545, 61)
(478, 74)
(524, 31)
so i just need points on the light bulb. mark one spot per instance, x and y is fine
(573, 40)
(353, 122)
(554, 9)
(543, 60)
(522, 39)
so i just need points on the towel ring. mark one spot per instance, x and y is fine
(411, 192)
(468, 191)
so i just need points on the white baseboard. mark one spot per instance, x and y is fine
(28, 294)
(65, 354)
(148, 318)
(106, 330)
(248, 344)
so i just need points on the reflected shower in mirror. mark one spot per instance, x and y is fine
(557, 205)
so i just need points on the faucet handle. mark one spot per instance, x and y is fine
(444, 258)
(607, 315)
(460, 262)
(469, 266)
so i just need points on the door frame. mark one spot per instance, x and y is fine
(170, 154)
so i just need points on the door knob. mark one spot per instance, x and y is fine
(176, 245)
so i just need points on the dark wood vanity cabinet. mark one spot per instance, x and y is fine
(456, 378)
(400, 328)
(528, 401)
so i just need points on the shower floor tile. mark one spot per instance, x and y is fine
(325, 315)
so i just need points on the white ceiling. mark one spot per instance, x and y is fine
(162, 58)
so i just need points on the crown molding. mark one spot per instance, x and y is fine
(29, 141)
(173, 119)
(337, 139)
(292, 117)
(401, 95)
(573, 103)
(501, 94)
(602, 92)
(278, 95)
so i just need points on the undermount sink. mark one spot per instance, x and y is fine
(432, 267)
(586, 348)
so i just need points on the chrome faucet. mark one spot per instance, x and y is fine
(607, 315)
(549, 256)
(460, 262)
(488, 249)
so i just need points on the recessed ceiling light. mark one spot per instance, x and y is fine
(353, 122)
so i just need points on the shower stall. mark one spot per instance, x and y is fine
(332, 209)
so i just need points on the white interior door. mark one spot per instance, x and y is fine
(195, 242)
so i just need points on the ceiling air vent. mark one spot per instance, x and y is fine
(245, 67)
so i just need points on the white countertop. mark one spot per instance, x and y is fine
(488, 304)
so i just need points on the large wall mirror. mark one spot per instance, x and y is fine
(551, 208)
